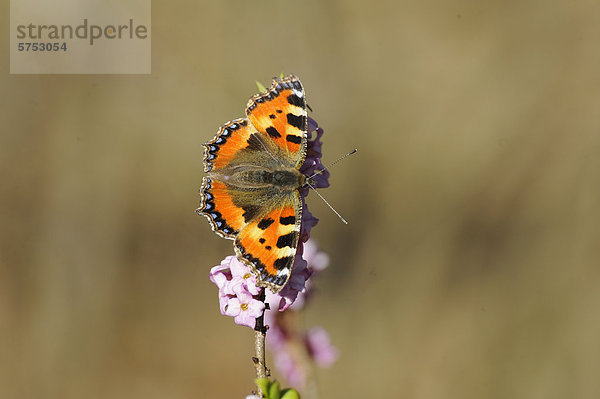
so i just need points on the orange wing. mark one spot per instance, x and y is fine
(280, 114)
(268, 244)
(216, 203)
(231, 138)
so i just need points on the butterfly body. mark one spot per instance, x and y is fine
(251, 193)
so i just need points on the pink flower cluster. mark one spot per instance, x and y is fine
(238, 298)
(237, 291)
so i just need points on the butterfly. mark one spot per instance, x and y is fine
(251, 193)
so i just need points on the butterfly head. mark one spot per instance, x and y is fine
(309, 181)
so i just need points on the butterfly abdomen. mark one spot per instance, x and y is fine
(282, 178)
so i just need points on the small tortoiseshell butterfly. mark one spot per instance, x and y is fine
(251, 193)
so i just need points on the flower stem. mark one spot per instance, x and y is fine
(260, 331)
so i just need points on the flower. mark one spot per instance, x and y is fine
(244, 309)
(312, 162)
(288, 359)
(243, 279)
(237, 288)
(308, 222)
(221, 274)
(288, 366)
(316, 261)
(296, 284)
(319, 347)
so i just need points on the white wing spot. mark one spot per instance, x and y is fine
(283, 272)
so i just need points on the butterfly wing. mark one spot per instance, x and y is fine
(268, 244)
(280, 114)
(229, 140)
(217, 200)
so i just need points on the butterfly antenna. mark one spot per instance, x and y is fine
(333, 163)
(324, 200)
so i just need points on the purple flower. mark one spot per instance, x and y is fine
(290, 368)
(237, 287)
(319, 347)
(243, 280)
(308, 222)
(317, 260)
(221, 274)
(312, 163)
(244, 309)
(296, 284)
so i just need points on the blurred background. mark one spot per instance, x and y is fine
(469, 268)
